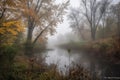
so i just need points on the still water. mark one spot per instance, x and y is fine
(62, 58)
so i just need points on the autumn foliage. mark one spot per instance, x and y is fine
(9, 31)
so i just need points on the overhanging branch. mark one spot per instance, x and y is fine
(35, 40)
(41, 32)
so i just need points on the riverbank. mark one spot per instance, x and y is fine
(106, 52)
(108, 48)
(22, 67)
(25, 68)
(103, 53)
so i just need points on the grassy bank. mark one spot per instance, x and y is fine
(108, 49)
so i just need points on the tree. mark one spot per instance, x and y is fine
(9, 31)
(43, 14)
(76, 22)
(108, 27)
(9, 7)
(94, 11)
(10, 22)
(116, 11)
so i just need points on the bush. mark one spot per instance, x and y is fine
(7, 54)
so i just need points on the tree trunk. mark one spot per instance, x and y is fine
(118, 25)
(93, 33)
(29, 45)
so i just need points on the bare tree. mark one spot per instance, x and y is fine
(2, 8)
(94, 11)
(116, 11)
(75, 21)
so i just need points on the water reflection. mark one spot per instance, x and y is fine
(62, 58)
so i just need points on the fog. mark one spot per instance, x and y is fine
(54, 41)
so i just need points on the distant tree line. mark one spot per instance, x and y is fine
(99, 18)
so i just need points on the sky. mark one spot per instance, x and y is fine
(63, 28)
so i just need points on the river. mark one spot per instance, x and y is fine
(62, 58)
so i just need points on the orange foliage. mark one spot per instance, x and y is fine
(10, 30)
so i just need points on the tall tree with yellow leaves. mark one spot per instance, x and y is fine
(10, 22)
(9, 31)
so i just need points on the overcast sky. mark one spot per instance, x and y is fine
(63, 28)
